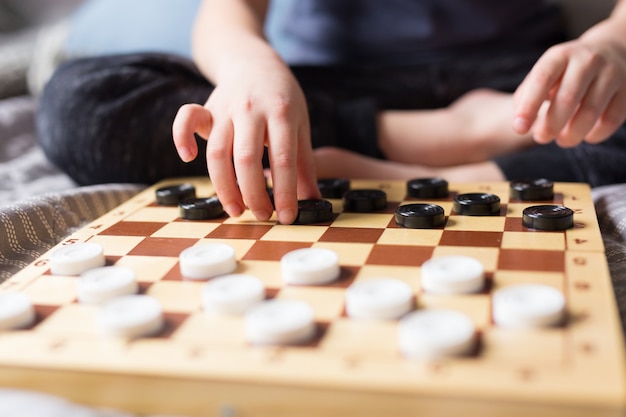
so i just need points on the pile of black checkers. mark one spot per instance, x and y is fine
(413, 216)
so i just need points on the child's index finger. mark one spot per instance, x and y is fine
(190, 119)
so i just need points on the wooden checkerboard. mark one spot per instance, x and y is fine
(201, 365)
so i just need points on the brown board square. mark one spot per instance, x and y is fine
(514, 224)
(268, 250)
(471, 238)
(157, 246)
(240, 231)
(133, 229)
(351, 235)
(399, 255)
(531, 260)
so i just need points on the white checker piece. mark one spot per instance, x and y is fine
(436, 333)
(379, 299)
(453, 274)
(280, 322)
(232, 294)
(310, 266)
(76, 258)
(528, 306)
(208, 260)
(104, 283)
(131, 316)
(16, 311)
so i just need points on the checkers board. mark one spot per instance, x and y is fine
(201, 365)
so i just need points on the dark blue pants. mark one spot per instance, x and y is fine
(109, 119)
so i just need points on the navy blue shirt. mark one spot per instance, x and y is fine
(407, 31)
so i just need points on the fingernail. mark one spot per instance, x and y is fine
(286, 216)
(184, 153)
(520, 125)
(542, 138)
(262, 215)
(233, 210)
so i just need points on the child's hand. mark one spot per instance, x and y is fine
(252, 108)
(584, 87)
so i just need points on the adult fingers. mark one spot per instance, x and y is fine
(190, 119)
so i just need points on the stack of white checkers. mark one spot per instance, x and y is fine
(424, 333)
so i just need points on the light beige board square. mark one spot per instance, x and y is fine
(194, 230)
(487, 256)
(327, 302)
(294, 234)
(416, 237)
(503, 279)
(538, 241)
(177, 296)
(362, 337)
(349, 253)
(117, 245)
(148, 268)
(476, 223)
(72, 319)
(476, 306)
(409, 275)
(213, 330)
(53, 290)
(267, 271)
(154, 214)
(375, 220)
(516, 209)
(241, 246)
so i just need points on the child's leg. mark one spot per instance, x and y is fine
(110, 119)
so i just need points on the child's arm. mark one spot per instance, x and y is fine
(584, 81)
(256, 103)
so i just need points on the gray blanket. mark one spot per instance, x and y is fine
(39, 205)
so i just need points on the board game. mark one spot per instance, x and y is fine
(201, 364)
